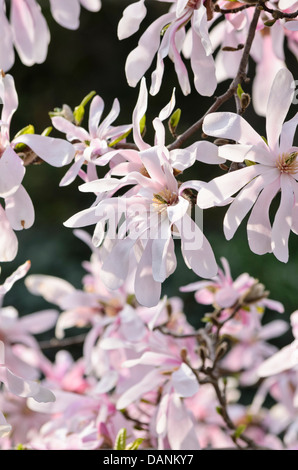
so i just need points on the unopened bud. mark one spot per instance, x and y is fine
(244, 100)
(221, 350)
(255, 293)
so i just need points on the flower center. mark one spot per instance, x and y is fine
(287, 163)
(163, 199)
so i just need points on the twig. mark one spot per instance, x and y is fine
(220, 100)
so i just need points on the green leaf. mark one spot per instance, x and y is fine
(47, 131)
(135, 444)
(123, 136)
(79, 110)
(241, 428)
(269, 23)
(143, 124)
(26, 130)
(174, 120)
(120, 441)
(239, 91)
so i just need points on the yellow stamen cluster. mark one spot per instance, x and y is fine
(163, 199)
(287, 163)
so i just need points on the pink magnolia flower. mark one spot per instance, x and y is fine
(28, 31)
(165, 37)
(274, 170)
(92, 147)
(267, 50)
(286, 358)
(152, 207)
(224, 292)
(19, 211)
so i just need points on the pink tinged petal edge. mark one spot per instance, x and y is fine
(52, 289)
(8, 239)
(162, 263)
(66, 14)
(19, 210)
(222, 187)
(12, 172)
(203, 67)
(138, 113)
(283, 220)
(95, 113)
(279, 102)
(288, 133)
(132, 17)
(147, 290)
(259, 225)
(285, 359)
(72, 131)
(196, 250)
(30, 30)
(242, 204)
(181, 428)
(27, 388)
(140, 59)
(294, 227)
(55, 152)
(19, 273)
(231, 126)
(91, 5)
(39, 322)
(9, 98)
(7, 56)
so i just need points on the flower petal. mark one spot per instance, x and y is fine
(279, 102)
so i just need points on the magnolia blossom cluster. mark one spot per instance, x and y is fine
(197, 31)
(141, 368)
(24, 28)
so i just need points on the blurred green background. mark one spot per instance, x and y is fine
(92, 58)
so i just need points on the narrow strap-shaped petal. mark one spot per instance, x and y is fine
(147, 289)
(279, 102)
(222, 187)
(19, 209)
(259, 225)
(132, 17)
(231, 126)
(56, 152)
(283, 220)
(67, 14)
(12, 172)
(140, 58)
(245, 200)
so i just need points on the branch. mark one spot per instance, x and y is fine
(241, 75)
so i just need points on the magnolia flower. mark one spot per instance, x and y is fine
(165, 37)
(93, 147)
(19, 211)
(224, 292)
(28, 31)
(156, 209)
(274, 169)
(286, 358)
(267, 50)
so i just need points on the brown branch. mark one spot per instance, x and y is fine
(62, 343)
(220, 100)
(277, 14)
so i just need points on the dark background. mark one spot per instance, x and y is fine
(92, 58)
